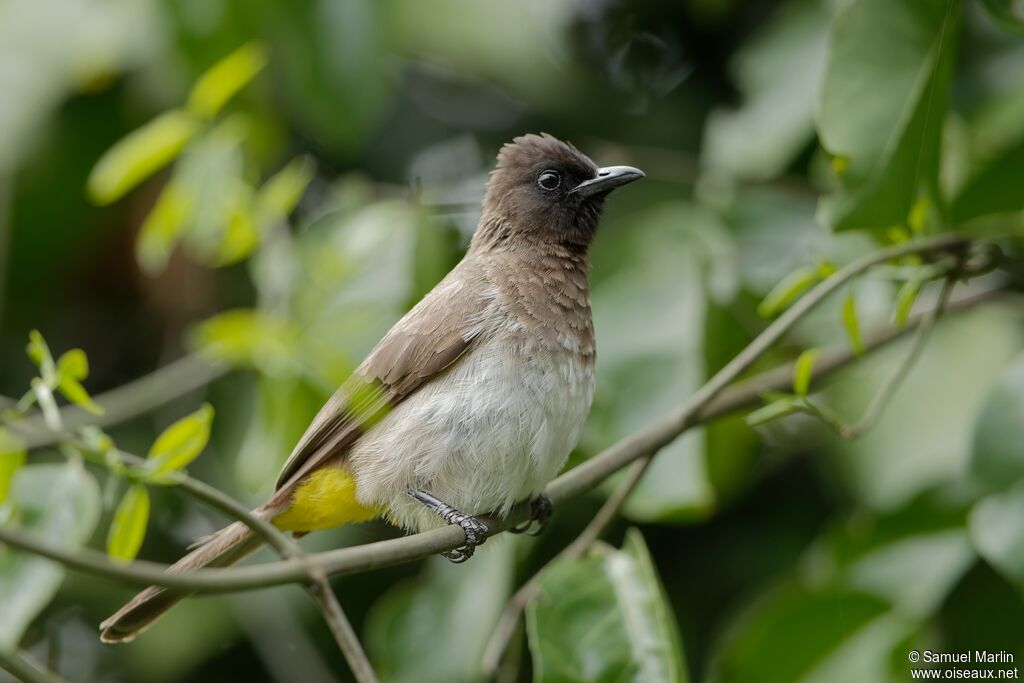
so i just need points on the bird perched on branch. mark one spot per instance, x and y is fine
(472, 402)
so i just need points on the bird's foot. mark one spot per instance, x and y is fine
(540, 512)
(475, 530)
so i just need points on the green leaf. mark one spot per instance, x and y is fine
(12, 457)
(794, 635)
(779, 408)
(162, 227)
(852, 324)
(58, 505)
(435, 627)
(139, 155)
(128, 528)
(803, 371)
(996, 527)
(883, 105)
(182, 442)
(905, 299)
(224, 79)
(39, 353)
(778, 71)
(997, 450)
(73, 364)
(1007, 13)
(604, 617)
(240, 235)
(281, 193)
(76, 393)
(788, 290)
(250, 338)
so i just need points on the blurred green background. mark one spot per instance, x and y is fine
(775, 135)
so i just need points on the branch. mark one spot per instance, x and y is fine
(135, 398)
(24, 669)
(318, 587)
(387, 553)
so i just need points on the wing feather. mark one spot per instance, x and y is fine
(427, 341)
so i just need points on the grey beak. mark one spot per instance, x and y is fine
(608, 178)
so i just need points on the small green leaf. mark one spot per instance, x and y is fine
(604, 617)
(39, 353)
(803, 370)
(162, 227)
(128, 529)
(12, 457)
(851, 324)
(44, 396)
(240, 235)
(58, 504)
(224, 79)
(774, 410)
(787, 291)
(1007, 13)
(73, 391)
(905, 299)
(182, 442)
(73, 364)
(281, 193)
(140, 154)
(249, 337)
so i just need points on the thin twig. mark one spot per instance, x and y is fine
(685, 417)
(135, 398)
(24, 669)
(387, 553)
(318, 587)
(892, 382)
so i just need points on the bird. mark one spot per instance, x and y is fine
(473, 400)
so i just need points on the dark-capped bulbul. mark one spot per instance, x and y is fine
(472, 402)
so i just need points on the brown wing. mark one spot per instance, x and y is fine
(429, 339)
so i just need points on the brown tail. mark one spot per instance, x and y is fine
(223, 548)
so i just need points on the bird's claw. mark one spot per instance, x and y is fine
(476, 534)
(475, 530)
(540, 512)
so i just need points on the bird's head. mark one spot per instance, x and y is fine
(544, 190)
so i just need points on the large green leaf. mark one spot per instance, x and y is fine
(779, 73)
(799, 634)
(434, 629)
(682, 255)
(604, 617)
(58, 505)
(997, 531)
(997, 454)
(883, 105)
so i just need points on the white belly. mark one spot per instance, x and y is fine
(493, 430)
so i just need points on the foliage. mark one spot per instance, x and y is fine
(227, 149)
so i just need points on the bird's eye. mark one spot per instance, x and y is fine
(549, 180)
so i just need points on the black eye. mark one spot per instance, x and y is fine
(549, 180)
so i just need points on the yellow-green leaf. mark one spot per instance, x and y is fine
(140, 154)
(73, 391)
(773, 411)
(162, 227)
(281, 193)
(73, 364)
(240, 235)
(851, 323)
(183, 441)
(249, 337)
(225, 78)
(128, 528)
(12, 457)
(803, 370)
(39, 353)
(784, 293)
(905, 299)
